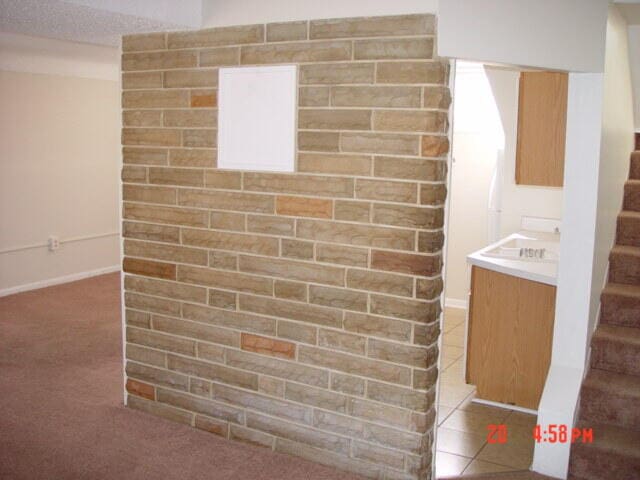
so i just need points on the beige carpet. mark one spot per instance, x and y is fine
(61, 402)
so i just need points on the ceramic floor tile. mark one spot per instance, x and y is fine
(453, 317)
(460, 313)
(514, 453)
(450, 351)
(453, 340)
(459, 443)
(445, 362)
(458, 332)
(478, 467)
(448, 325)
(455, 336)
(519, 433)
(448, 465)
(473, 422)
(443, 413)
(479, 408)
(524, 419)
(454, 395)
(457, 366)
(452, 376)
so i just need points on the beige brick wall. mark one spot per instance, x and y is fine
(295, 311)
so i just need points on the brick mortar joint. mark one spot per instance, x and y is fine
(276, 398)
(367, 381)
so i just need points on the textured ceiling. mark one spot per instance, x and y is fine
(71, 21)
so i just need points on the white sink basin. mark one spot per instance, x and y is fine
(525, 249)
(526, 254)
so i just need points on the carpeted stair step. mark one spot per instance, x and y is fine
(624, 265)
(620, 305)
(628, 230)
(616, 349)
(634, 169)
(614, 454)
(632, 195)
(611, 398)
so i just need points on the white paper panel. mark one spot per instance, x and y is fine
(257, 118)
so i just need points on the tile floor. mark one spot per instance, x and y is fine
(461, 446)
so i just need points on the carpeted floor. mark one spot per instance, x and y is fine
(61, 412)
(525, 475)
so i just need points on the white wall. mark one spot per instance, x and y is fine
(241, 12)
(477, 137)
(517, 200)
(596, 166)
(59, 167)
(634, 57)
(616, 145)
(577, 243)
(22, 53)
(557, 34)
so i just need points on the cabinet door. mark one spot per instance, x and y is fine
(542, 125)
(510, 333)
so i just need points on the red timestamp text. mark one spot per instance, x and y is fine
(552, 433)
(560, 433)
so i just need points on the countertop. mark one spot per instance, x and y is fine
(537, 271)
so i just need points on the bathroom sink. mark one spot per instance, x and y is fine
(525, 249)
(527, 254)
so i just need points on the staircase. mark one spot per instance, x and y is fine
(610, 394)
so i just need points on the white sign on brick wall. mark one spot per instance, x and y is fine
(257, 118)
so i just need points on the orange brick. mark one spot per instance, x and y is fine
(304, 207)
(267, 346)
(149, 268)
(427, 265)
(141, 389)
(434, 145)
(204, 98)
(212, 425)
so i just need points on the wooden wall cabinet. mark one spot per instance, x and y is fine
(542, 125)
(509, 340)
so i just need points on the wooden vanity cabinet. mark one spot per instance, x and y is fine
(509, 337)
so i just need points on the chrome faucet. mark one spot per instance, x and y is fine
(532, 253)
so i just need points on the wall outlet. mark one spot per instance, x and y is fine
(54, 243)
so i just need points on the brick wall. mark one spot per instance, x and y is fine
(295, 311)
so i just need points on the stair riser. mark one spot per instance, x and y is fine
(620, 310)
(628, 231)
(634, 170)
(606, 399)
(632, 197)
(600, 406)
(615, 356)
(624, 269)
(593, 464)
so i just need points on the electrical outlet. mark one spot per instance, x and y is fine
(54, 243)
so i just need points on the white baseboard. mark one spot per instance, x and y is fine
(455, 303)
(506, 406)
(58, 280)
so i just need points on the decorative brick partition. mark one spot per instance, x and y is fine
(295, 311)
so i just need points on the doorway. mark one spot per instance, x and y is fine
(485, 205)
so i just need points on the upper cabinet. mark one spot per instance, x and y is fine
(542, 124)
